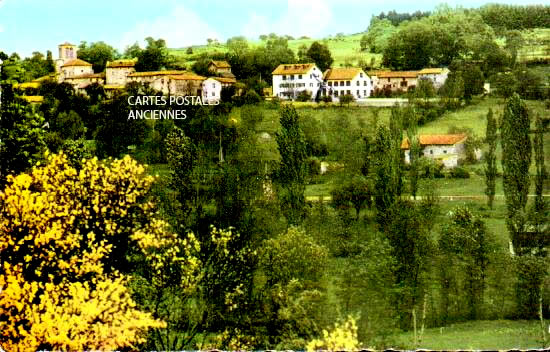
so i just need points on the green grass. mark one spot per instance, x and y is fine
(478, 335)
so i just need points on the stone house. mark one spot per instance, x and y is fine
(437, 76)
(396, 80)
(447, 148)
(75, 68)
(117, 71)
(291, 79)
(342, 81)
(222, 68)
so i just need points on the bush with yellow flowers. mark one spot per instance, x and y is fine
(342, 338)
(65, 236)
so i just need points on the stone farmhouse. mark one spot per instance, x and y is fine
(221, 68)
(437, 76)
(350, 81)
(292, 79)
(447, 148)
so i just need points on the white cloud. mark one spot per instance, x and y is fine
(181, 27)
(302, 17)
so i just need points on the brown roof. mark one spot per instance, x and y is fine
(376, 73)
(76, 62)
(88, 75)
(121, 63)
(291, 69)
(431, 71)
(436, 139)
(156, 73)
(220, 64)
(188, 76)
(398, 74)
(224, 79)
(341, 73)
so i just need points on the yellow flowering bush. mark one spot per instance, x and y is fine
(64, 239)
(342, 338)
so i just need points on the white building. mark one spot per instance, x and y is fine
(291, 79)
(448, 148)
(437, 76)
(211, 90)
(342, 81)
(75, 68)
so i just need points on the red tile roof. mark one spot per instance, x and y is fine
(436, 139)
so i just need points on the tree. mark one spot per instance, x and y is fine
(516, 158)
(97, 54)
(292, 171)
(153, 57)
(354, 193)
(21, 135)
(66, 262)
(490, 158)
(467, 239)
(320, 54)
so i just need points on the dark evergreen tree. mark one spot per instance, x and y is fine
(490, 158)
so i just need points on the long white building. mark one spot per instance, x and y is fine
(291, 79)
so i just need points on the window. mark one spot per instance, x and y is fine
(318, 84)
(431, 151)
(335, 93)
(358, 94)
(311, 75)
(213, 94)
(358, 83)
(388, 80)
(213, 85)
(299, 76)
(365, 93)
(348, 83)
(349, 91)
(291, 77)
(444, 152)
(284, 77)
(365, 83)
(403, 83)
(361, 74)
(330, 84)
(342, 83)
(311, 84)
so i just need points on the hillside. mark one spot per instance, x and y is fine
(346, 51)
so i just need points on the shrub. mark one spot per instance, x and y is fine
(251, 97)
(459, 172)
(328, 99)
(304, 95)
(346, 99)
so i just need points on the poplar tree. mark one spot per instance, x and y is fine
(292, 172)
(516, 158)
(490, 158)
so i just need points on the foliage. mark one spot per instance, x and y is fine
(98, 54)
(503, 16)
(516, 159)
(153, 57)
(459, 172)
(342, 337)
(304, 95)
(377, 36)
(21, 135)
(490, 158)
(320, 54)
(346, 99)
(65, 237)
(353, 193)
(466, 239)
(292, 171)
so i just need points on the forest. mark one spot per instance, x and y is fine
(224, 230)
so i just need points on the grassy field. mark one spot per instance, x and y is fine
(346, 49)
(478, 335)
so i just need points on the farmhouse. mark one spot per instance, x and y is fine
(448, 148)
(396, 80)
(221, 68)
(437, 76)
(291, 79)
(342, 81)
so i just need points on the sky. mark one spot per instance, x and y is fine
(40, 25)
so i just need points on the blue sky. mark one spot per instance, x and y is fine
(40, 25)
